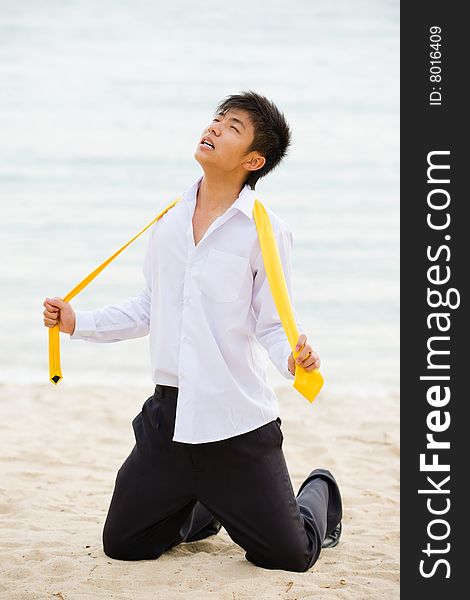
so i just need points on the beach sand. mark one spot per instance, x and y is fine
(62, 447)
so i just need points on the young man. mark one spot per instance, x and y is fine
(208, 448)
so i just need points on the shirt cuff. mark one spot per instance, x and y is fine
(85, 325)
(286, 371)
(279, 355)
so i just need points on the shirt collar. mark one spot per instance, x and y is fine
(244, 202)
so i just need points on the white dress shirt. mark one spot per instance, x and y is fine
(210, 312)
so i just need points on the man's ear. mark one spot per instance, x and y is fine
(254, 163)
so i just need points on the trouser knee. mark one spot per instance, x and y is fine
(297, 562)
(116, 547)
(300, 564)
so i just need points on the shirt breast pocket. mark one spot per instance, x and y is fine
(223, 275)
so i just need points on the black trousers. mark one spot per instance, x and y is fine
(169, 492)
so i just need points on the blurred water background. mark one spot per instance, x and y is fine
(101, 107)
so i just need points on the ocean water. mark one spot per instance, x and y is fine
(101, 107)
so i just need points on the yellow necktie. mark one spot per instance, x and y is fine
(307, 383)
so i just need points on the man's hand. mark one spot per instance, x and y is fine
(58, 312)
(308, 359)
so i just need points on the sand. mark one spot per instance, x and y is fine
(62, 446)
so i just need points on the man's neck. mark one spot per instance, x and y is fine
(216, 195)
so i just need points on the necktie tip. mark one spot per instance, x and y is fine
(308, 384)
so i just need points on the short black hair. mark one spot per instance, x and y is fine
(272, 134)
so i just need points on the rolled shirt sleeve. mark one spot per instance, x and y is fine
(269, 330)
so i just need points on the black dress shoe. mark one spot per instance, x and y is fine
(211, 528)
(332, 539)
(335, 506)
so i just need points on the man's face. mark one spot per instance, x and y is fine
(225, 141)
